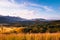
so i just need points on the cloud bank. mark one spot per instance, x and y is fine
(25, 10)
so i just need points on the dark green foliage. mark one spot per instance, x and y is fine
(39, 27)
(26, 30)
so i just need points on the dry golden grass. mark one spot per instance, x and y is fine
(27, 36)
(32, 36)
(11, 29)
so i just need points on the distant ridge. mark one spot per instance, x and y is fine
(10, 19)
(7, 19)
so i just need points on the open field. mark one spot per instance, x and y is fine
(11, 29)
(31, 36)
(17, 33)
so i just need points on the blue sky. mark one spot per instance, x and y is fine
(30, 9)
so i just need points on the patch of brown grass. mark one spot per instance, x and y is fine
(11, 29)
(32, 36)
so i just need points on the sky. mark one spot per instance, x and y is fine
(30, 9)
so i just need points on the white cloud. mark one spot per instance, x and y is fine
(22, 9)
(47, 9)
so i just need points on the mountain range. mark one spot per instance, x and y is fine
(10, 19)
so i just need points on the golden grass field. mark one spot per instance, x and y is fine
(31, 36)
(6, 34)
